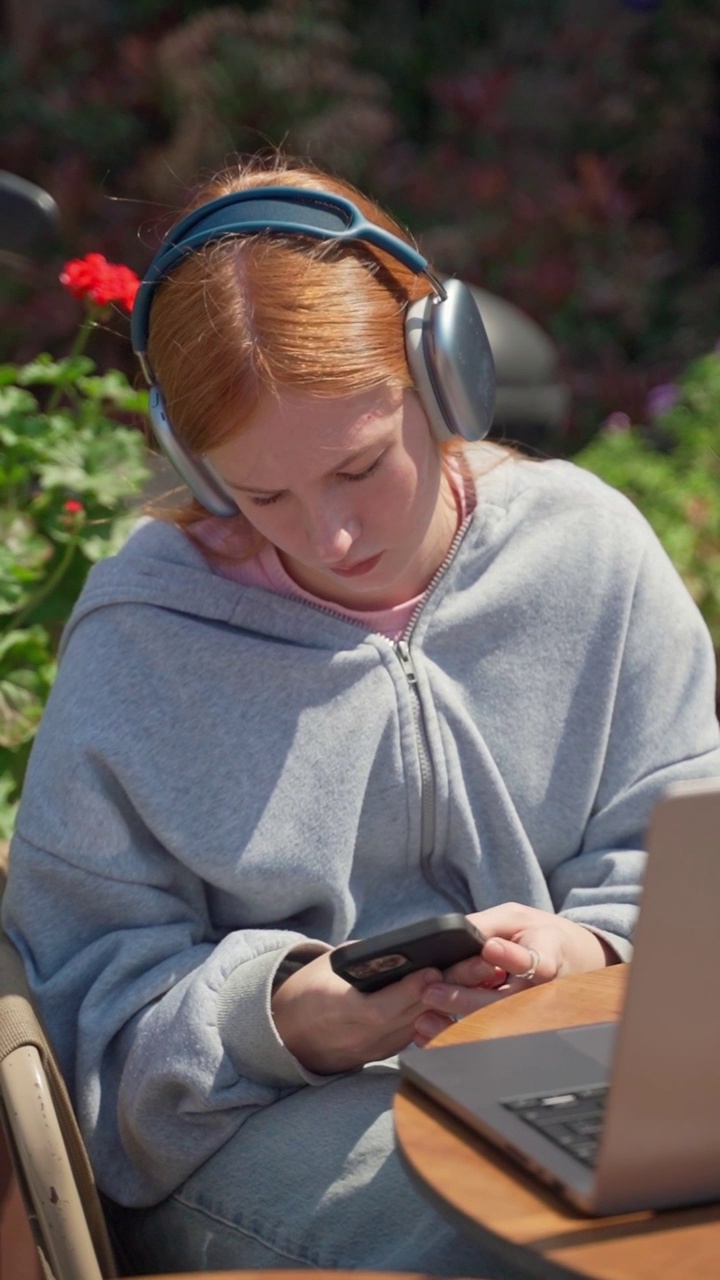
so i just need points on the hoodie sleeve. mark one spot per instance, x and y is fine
(162, 1027)
(657, 726)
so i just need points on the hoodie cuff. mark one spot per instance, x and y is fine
(246, 1024)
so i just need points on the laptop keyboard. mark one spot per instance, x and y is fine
(573, 1120)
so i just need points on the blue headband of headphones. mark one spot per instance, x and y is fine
(276, 210)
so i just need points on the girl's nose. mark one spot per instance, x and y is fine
(332, 537)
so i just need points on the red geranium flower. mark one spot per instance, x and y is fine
(100, 281)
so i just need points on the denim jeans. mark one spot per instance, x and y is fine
(312, 1181)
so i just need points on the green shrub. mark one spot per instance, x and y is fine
(70, 466)
(671, 471)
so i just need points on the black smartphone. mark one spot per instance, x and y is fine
(436, 943)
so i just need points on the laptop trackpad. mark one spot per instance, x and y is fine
(596, 1042)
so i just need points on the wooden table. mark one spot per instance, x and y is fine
(485, 1192)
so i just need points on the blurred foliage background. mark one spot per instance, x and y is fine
(562, 155)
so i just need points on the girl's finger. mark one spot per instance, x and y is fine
(430, 1024)
(524, 960)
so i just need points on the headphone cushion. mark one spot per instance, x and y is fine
(451, 362)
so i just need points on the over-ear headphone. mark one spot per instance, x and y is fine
(447, 348)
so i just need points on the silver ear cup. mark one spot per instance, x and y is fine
(201, 479)
(417, 321)
(451, 362)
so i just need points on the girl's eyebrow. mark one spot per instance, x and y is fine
(267, 493)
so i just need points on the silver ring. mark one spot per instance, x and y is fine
(529, 974)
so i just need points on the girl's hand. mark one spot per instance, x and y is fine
(526, 946)
(329, 1026)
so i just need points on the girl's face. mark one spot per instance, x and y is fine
(350, 491)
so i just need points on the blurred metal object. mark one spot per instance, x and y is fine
(531, 401)
(29, 217)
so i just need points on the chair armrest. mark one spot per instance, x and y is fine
(44, 1171)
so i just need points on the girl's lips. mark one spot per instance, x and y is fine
(357, 570)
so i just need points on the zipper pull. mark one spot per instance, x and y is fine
(403, 652)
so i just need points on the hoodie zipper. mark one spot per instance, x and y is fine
(427, 772)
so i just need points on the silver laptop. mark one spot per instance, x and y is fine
(620, 1116)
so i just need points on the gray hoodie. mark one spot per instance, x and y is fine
(222, 774)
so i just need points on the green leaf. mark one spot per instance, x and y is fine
(108, 540)
(24, 555)
(114, 387)
(27, 670)
(9, 802)
(14, 400)
(51, 372)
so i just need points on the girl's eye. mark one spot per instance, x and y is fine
(345, 475)
(266, 502)
(363, 475)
